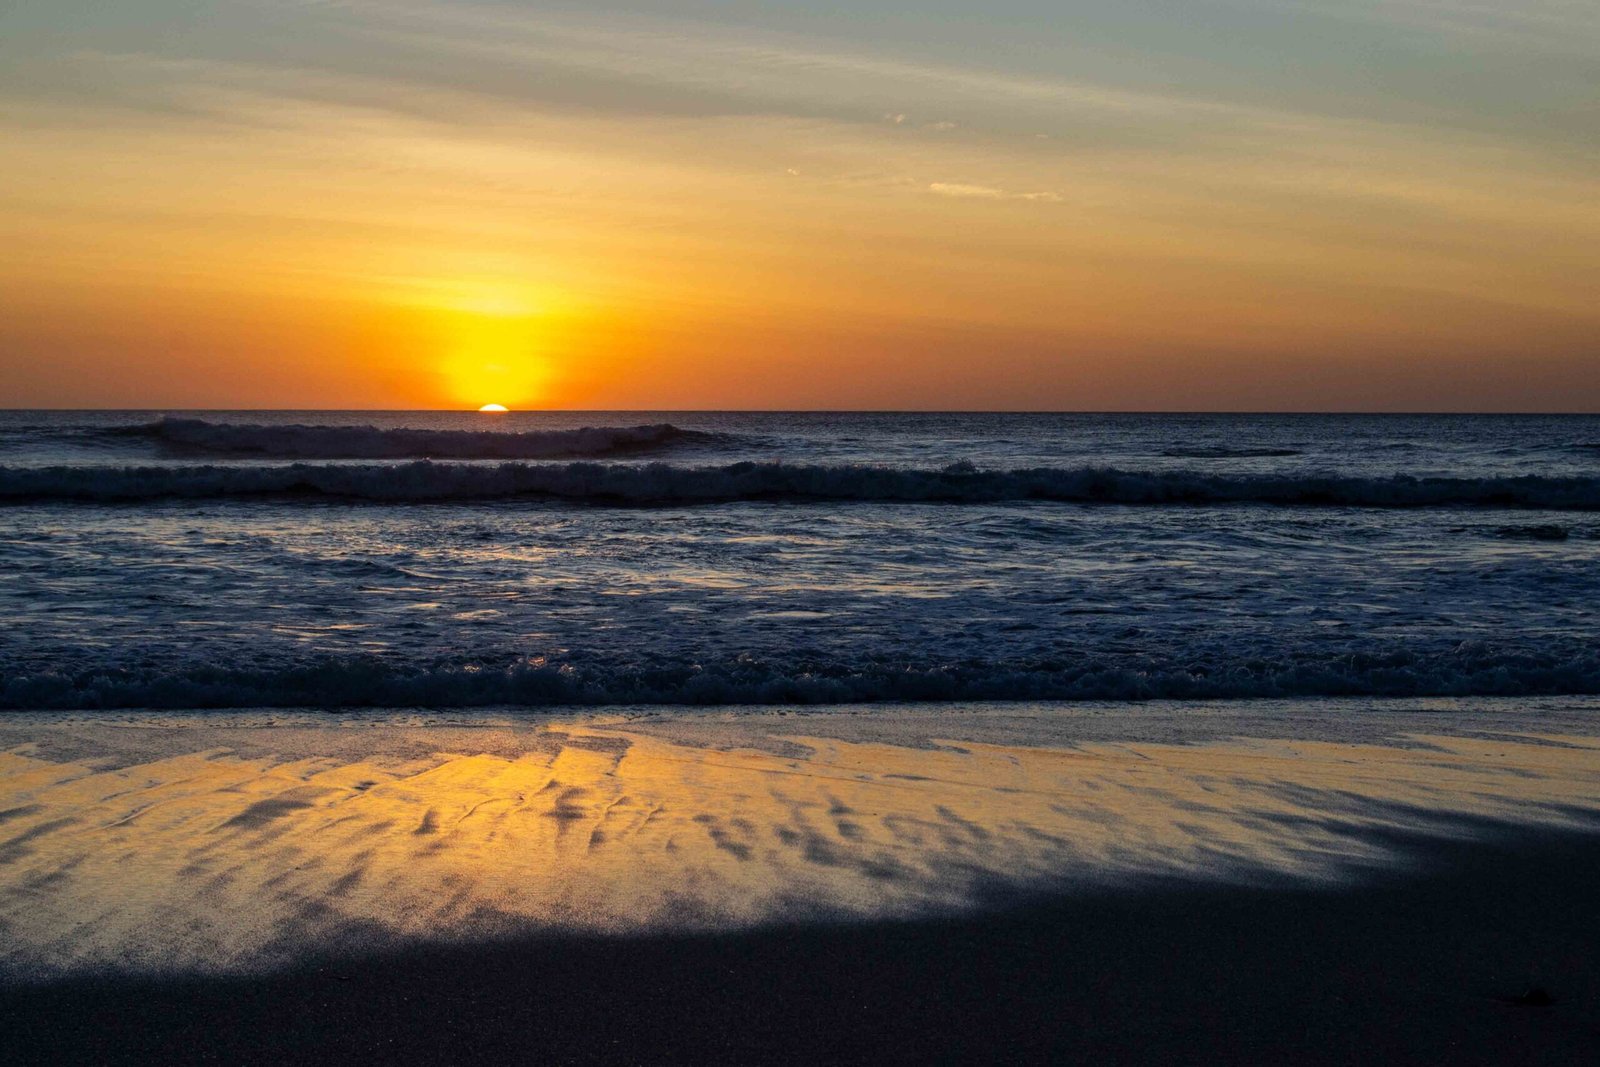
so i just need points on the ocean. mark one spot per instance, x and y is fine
(349, 559)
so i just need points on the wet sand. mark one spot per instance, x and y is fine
(1309, 884)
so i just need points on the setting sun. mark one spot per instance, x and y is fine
(490, 355)
(494, 409)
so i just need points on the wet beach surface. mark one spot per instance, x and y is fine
(1436, 966)
(987, 882)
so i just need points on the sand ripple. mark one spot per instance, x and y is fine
(218, 861)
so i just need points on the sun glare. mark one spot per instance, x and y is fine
(486, 355)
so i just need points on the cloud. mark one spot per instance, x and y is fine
(776, 72)
(486, 92)
(939, 126)
(979, 192)
(986, 192)
(1553, 24)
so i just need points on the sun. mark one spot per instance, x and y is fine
(493, 356)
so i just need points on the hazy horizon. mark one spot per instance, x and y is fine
(1308, 412)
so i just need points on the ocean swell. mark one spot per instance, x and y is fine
(659, 484)
(1230, 453)
(371, 442)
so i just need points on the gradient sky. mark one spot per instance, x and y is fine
(1021, 204)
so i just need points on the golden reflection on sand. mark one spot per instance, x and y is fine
(210, 861)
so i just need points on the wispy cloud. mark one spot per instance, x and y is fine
(1558, 25)
(762, 65)
(668, 122)
(986, 192)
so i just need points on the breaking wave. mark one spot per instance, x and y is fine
(371, 442)
(1466, 669)
(664, 484)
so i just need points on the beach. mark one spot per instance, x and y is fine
(1296, 881)
(766, 532)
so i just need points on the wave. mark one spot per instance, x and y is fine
(372, 442)
(658, 484)
(1465, 669)
(1540, 532)
(1230, 453)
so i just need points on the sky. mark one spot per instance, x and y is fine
(716, 204)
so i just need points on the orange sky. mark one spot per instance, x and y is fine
(383, 205)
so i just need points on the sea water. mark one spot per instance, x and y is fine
(340, 559)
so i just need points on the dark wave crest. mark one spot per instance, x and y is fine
(1466, 669)
(659, 484)
(1230, 453)
(372, 442)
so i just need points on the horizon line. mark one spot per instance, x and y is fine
(811, 411)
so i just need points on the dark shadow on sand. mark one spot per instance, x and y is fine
(1452, 963)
